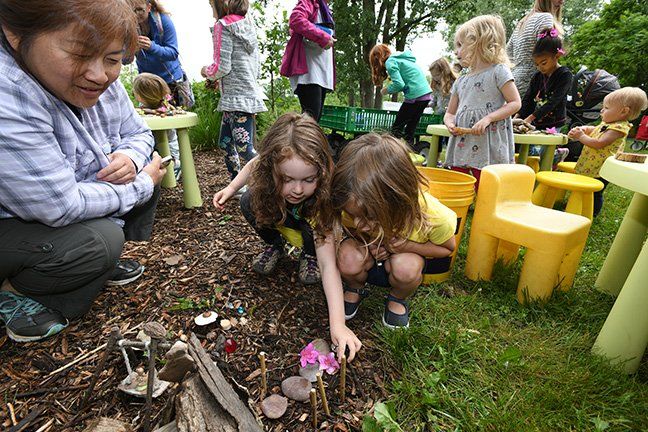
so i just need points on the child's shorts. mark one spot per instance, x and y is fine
(378, 275)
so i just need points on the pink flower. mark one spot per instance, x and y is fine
(308, 355)
(551, 130)
(328, 363)
(162, 109)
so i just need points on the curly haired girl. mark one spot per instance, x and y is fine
(442, 76)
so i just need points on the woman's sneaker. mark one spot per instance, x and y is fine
(266, 261)
(393, 320)
(27, 320)
(309, 273)
(125, 272)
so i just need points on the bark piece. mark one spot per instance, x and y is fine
(104, 424)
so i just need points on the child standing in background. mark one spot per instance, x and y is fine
(545, 103)
(442, 76)
(405, 76)
(289, 198)
(609, 136)
(397, 232)
(236, 67)
(483, 100)
(151, 91)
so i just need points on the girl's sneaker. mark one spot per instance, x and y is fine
(27, 320)
(393, 320)
(266, 261)
(309, 273)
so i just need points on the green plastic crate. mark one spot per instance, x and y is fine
(358, 121)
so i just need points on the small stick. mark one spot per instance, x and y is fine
(12, 414)
(264, 381)
(320, 384)
(115, 335)
(46, 426)
(150, 383)
(313, 401)
(343, 378)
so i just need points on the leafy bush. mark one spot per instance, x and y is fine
(205, 134)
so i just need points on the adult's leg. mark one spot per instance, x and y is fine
(139, 221)
(63, 269)
(311, 99)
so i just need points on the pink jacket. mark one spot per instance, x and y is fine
(301, 26)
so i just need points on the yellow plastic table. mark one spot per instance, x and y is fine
(546, 161)
(181, 123)
(624, 336)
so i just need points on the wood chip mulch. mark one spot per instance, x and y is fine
(197, 260)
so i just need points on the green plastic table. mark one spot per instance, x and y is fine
(181, 123)
(624, 335)
(524, 140)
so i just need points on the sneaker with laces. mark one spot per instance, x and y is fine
(393, 320)
(266, 261)
(309, 273)
(27, 320)
(126, 272)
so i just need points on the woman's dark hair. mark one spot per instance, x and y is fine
(97, 23)
(549, 42)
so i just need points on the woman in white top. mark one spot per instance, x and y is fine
(545, 13)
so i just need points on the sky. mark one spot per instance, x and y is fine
(193, 18)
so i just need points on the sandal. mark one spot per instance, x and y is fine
(393, 320)
(351, 308)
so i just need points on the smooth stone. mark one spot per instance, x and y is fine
(309, 372)
(155, 330)
(296, 388)
(176, 369)
(178, 349)
(226, 324)
(321, 346)
(274, 406)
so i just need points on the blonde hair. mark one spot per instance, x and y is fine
(377, 58)
(292, 135)
(546, 6)
(442, 76)
(150, 89)
(631, 97)
(376, 174)
(483, 38)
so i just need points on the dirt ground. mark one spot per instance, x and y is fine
(196, 260)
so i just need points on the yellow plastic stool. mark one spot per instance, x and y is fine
(582, 188)
(568, 167)
(505, 219)
(532, 161)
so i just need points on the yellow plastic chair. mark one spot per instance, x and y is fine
(532, 161)
(568, 167)
(581, 198)
(505, 219)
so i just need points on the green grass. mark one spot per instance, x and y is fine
(482, 362)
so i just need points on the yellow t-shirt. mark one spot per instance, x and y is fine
(591, 159)
(442, 219)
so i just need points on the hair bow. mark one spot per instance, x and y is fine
(552, 33)
(560, 51)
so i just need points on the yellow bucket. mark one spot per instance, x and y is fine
(456, 191)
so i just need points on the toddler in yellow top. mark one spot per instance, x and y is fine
(396, 232)
(604, 140)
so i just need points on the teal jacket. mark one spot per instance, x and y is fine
(406, 76)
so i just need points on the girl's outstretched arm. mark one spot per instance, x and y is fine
(512, 105)
(241, 179)
(341, 335)
(605, 140)
(451, 112)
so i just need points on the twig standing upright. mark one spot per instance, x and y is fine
(313, 401)
(264, 380)
(343, 378)
(320, 384)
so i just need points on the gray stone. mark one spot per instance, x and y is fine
(274, 406)
(309, 372)
(321, 346)
(176, 368)
(296, 388)
(178, 349)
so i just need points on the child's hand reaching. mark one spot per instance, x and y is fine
(221, 197)
(576, 133)
(342, 338)
(481, 125)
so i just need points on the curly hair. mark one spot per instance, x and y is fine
(376, 174)
(442, 75)
(292, 135)
(483, 37)
(377, 58)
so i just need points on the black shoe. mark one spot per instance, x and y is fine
(351, 308)
(393, 320)
(27, 320)
(126, 272)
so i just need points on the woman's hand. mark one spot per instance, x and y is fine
(481, 125)
(144, 42)
(154, 169)
(221, 197)
(342, 337)
(120, 170)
